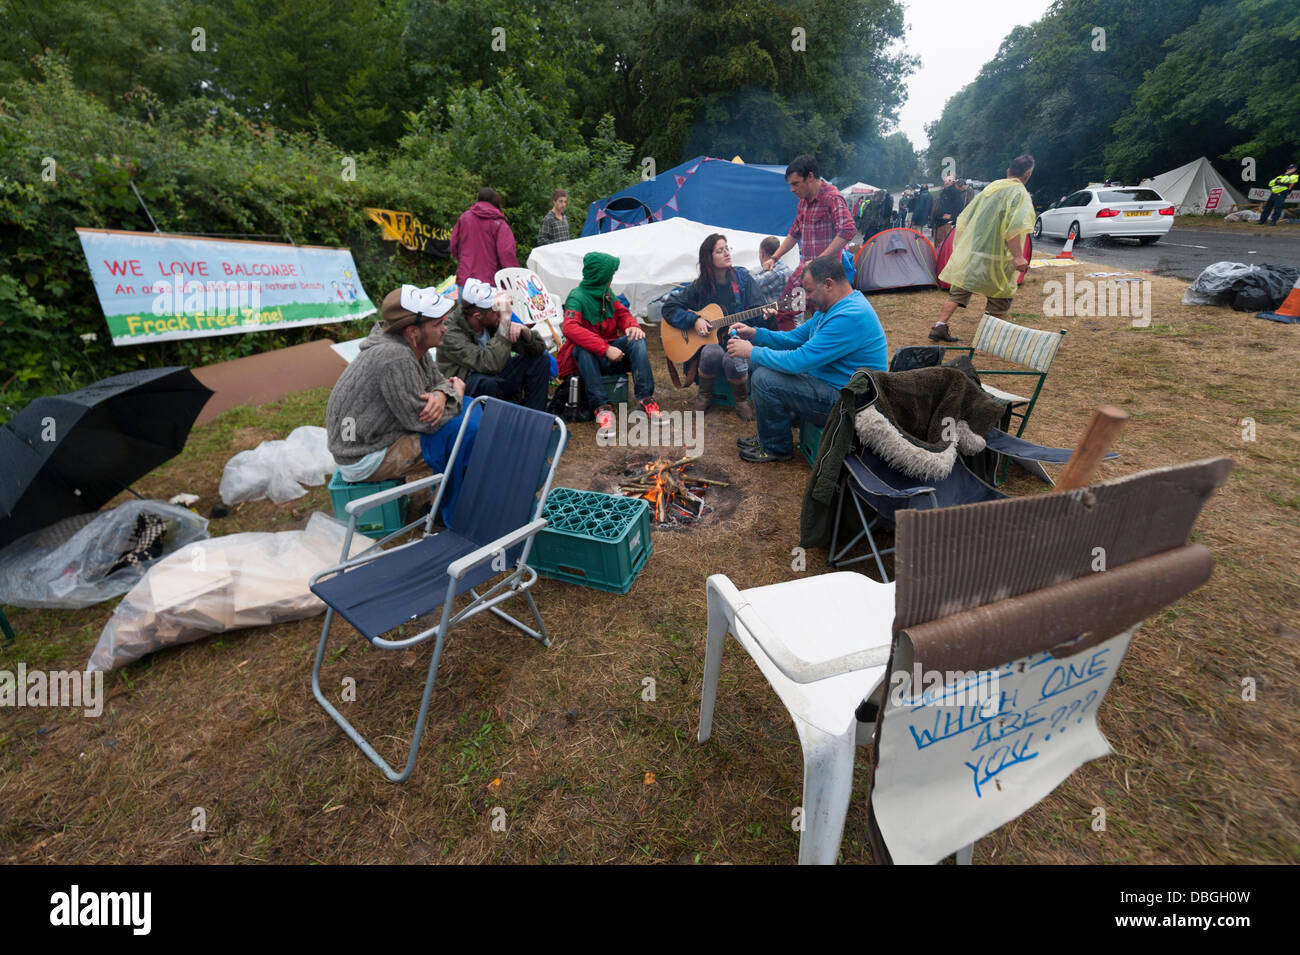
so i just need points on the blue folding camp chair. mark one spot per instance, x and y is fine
(866, 479)
(491, 531)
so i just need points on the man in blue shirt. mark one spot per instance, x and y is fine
(799, 373)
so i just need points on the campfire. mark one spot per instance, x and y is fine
(674, 495)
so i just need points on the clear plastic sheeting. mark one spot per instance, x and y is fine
(88, 558)
(1247, 288)
(242, 580)
(1214, 286)
(278, 469)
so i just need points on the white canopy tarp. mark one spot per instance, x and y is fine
(857, 189)
(1188, 187)
(653, 258)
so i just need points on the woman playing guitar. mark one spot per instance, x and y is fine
(732, 290)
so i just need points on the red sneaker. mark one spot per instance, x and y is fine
(651, 408)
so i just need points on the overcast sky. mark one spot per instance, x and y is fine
(953, 39)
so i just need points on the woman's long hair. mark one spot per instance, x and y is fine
(706, 283)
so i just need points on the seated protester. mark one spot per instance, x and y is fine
(392, 413)
(732, 290)
(603, 338)
(771, 281)
(494, 355)
(799, 373)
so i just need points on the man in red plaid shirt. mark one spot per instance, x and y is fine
(822, 225)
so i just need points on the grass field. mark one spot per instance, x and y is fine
(562, 739)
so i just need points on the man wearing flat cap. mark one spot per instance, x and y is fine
(392, 413)
(494, 355)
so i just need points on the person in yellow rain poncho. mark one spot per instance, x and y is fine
(988, 247)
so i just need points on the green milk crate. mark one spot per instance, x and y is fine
(616, 387)
(378, 521)
(810, 439)
(594, 540)
(722, 396)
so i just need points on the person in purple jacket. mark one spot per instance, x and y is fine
(798, 374)
(481, 242)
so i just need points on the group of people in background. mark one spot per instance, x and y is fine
(396, 409)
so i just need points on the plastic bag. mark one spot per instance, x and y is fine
(241, 580)
(1214, 285)
(1247, 288)
(82, 559)
(277, 469)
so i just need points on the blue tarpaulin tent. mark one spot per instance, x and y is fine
(729, 195)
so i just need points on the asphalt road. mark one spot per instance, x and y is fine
(1185, 252)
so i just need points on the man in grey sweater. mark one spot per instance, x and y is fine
(392, 400)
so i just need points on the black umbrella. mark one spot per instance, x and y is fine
(70, 454)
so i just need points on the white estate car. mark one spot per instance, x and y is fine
(1135, 212)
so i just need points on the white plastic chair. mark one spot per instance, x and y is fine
(822, 643)
(959, 605)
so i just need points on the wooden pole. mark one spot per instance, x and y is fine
(1096, 441)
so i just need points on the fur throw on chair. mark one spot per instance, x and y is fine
(923, 419)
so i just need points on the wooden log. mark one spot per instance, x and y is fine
(1106, 423)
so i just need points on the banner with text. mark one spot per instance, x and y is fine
(156, 288)
(407, 229)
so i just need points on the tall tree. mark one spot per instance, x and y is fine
(333, 66)
(765, 79)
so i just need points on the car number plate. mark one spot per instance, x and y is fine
(1137, 213)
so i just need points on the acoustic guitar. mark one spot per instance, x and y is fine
(681, 344)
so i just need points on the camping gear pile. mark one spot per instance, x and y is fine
(85, 559)
(241, 580)
(1247, 288)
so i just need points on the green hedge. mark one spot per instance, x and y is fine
(69, 161)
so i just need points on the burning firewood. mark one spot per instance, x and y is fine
(669, 489)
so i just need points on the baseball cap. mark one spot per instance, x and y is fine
(405, 305)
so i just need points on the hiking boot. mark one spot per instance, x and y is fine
(759, 455)
(651, 409)
(750, 442)
(704, 400)
(940, 333)
(605, 422)
(744, 409)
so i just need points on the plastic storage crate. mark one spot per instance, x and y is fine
(810, 439)
(722, 396)
(378, 521)
(616, 386)
(594, 540)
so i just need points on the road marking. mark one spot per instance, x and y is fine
(1181, 246)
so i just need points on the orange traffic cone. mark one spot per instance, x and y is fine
(1289, 311)
(1068, 251)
